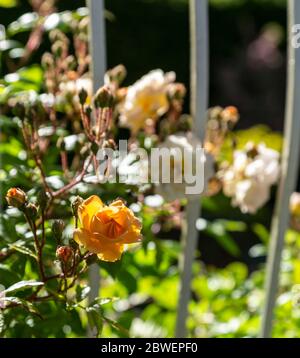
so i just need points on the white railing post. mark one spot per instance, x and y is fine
(97, 46)
(199, 78)
(289, 172)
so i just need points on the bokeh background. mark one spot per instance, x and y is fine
(247, 69)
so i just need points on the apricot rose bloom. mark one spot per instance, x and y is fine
(106, 229)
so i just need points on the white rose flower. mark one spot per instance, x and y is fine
(177, 188)
(145, 99)
(249, 179)
(250, 195)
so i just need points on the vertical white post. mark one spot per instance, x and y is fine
(289, 172)
(199, 74)
(98, 67)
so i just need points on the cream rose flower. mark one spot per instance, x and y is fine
(249, 179)
(146, 98)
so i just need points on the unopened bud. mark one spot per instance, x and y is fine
(64, 254)
(43, 199)
(83, 95)
(176, 91)
(57, 229)
(104, 98)
(116, 74)
(16, 197)
(31, 211)
(75, 205)
(56, 35)
(215, 112)
(70, 62)
(47, 61)
(88, 111)
(58, 48)
(19, 110)
(184, 123)
(230, 114)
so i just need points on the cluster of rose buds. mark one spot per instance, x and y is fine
(65, 73)
(98, 122)
(17, 198)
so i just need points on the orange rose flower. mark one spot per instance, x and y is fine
(106, 229)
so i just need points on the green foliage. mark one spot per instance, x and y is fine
(257, 134)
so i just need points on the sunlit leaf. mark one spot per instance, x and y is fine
(22, 285)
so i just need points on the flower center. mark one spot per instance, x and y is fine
(112, 228)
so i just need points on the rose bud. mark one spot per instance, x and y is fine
(43, 198)
(47, 61)
(64, 254)
(75, 205)
(57, 229)
(31, 210)
(83, 95)
(230, 114)
(116, 74)
(19, 110)
(16, 197)
(104, 98)
(176, 91)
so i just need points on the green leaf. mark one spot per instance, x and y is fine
(32, 74)
(103, 301)
(8, 3)
(95, 319)
(22, 285)
(261, 231)
(82, 292)
(218, 232)
(23, 250)
(25, 304)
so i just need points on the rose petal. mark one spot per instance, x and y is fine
(111, 252)
(89, 208)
